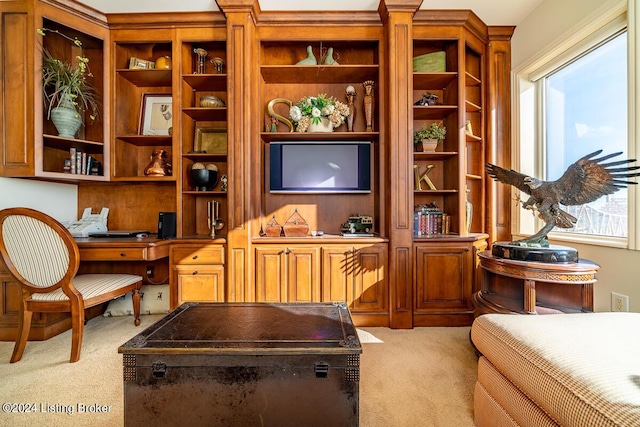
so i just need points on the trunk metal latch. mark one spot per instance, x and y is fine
(159, 369)
(322, 370)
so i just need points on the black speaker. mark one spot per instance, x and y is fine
(166, 225)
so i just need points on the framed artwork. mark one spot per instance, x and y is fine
(212, 140)
(137, 63)
(156, 114)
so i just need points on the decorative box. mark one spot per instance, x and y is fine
(434, 62)
(273, 229)
(296, 226)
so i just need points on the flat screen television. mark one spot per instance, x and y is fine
(319, 167)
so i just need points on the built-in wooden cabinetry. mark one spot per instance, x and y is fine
(395, 278)
(197, 272)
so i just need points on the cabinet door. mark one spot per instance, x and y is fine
(287, 274)
(200, 284)
(369, 279)
(270, 274)
(443, 277)
(303, 274)
(356, 275)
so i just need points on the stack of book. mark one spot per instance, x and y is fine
(82, 163)
(430, 221)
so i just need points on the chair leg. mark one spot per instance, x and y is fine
(136, 306)
(24, 326)
(77, 330)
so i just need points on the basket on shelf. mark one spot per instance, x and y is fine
(434, 62)
(295, 226)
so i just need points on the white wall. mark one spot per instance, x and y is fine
(550, 23)
(58, 200)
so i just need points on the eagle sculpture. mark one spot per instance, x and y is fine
(585, 181)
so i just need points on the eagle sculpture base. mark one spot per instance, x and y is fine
(550, 254)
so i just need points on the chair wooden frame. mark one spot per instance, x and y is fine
(31, 238)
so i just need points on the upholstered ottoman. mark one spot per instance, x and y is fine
(563, 369)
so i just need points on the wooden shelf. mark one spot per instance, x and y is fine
(206, 114)
(435, 191)
(205, 193)
(471, 107)
(302, 74)
(150, 78)
(434, 81)
(146, 140)
(206, 82)
(205, 157)
(435, 155)
(269, 137)
(471, 80)
(61, 143)
(433, 112)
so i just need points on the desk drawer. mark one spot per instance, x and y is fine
(113, 254)
(197, 254)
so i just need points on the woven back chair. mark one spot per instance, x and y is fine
(43, 258)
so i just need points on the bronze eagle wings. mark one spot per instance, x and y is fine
(583, 182)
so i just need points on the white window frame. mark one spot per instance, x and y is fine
(528, 152)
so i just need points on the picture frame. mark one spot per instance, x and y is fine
(212, 140)
(156, 114)
(137, 63)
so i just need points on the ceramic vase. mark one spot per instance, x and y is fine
(66, 118)
(324, 126)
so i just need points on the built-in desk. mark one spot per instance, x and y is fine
(97, 255)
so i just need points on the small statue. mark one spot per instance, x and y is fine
(583, 182)
(274, 124)
(223, 181)
(328, 60)
(158, 165)
(427, 99)
(368, 104)
(310, 59)
(350, 94)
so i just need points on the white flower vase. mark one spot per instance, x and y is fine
(65, 118)
(324, 126)
(429, 145)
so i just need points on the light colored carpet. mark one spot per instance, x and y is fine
(418, 377)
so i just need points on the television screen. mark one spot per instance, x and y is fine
(335, 167)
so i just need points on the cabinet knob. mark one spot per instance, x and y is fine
(195, 272)
(123, 254)
(194, 257)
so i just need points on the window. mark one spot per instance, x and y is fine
(584, 106)
(571, 101)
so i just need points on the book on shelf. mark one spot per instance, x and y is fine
(81, 163)
(428, 222)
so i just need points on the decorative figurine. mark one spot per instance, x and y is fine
(424, 177)
(279, 117)
(218, 63)
(158, 165)
(350, 94)
(368, 104)
(201, 55)
(204, 177)
(310, 59)
(223, 185)
(583, 182)
(427, 99)
(274, 124)
(328, 60)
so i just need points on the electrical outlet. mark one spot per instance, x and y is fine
(150, 271)
(619, 302)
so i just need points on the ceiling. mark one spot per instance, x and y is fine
(492, 12)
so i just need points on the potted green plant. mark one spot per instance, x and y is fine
(429, 136)
(67, 90)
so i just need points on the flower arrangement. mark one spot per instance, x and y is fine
(312, 109)
(62, 81)
(432, 131)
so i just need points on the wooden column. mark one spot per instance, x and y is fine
(498, 147)
(243, 182)
(397, 16)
